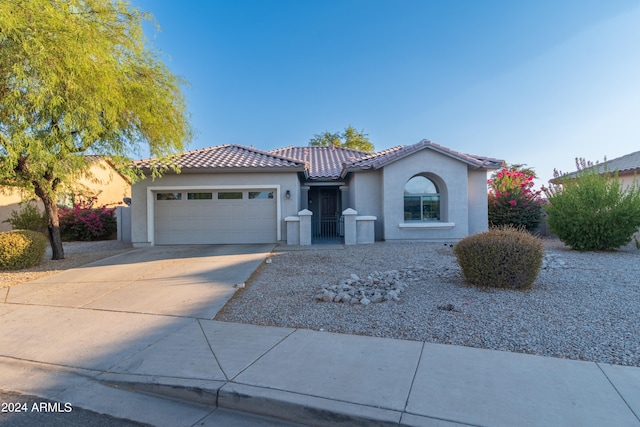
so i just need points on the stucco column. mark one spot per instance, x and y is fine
(293, 230)
(365, 229)
(350, 232)
(304, 197)
(305, 227)
(344, 196)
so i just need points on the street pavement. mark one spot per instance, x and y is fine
(132, 336)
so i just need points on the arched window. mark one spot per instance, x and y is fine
(421, 200)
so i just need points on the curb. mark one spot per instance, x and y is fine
(200, 392)
(310, 410)
(272, 403)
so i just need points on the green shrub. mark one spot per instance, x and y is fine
(593, 212)
(21, 249)
(28, 217)
(501, 257)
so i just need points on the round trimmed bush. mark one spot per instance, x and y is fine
(21, 249)
(500, 257)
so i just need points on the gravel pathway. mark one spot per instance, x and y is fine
(586, 309)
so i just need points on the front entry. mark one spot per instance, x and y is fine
(326, 220)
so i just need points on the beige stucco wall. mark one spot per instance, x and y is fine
(10, 201)
(140, 196)
(451, 177)
(106, 184)
(628, 180)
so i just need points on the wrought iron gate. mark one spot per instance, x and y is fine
(327, 229)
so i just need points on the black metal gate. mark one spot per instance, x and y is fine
(327, 229)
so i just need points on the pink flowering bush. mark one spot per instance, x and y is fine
(82, 222)
(513, 201)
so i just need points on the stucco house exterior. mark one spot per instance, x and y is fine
(236, 194)
(104, 183)
(628, 167)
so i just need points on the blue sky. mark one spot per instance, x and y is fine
(536, 82)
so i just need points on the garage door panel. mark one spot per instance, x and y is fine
(214, 221)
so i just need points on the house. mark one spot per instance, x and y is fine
(628, 167)
(237, 194)
(105, 185)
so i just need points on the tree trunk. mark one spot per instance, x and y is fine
(53, 224)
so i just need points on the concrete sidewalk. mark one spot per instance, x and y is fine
(120, 335)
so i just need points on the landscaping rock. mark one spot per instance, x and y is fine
(552, 261)
(377, 287)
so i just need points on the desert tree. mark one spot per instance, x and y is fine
(349, 138)
(78, 77)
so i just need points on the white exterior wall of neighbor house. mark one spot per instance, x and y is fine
(449, 173)
(478, 201)
(142, 197)
(366, 198)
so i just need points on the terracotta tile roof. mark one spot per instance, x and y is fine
(229, 157)
(319, 163)
(378, 160)
(322, 162)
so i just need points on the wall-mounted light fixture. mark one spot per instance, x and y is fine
(287, 194)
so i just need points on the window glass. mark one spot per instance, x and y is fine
(412, 208)
(65, 200)
(199, 196)
(421, 200)
(168, 196)
(420, 185)
(261, 194)
(430, 208)
(230, 195)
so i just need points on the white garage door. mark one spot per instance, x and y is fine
(215, 217)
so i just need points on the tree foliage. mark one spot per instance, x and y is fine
(592, 211)
(349, 138)
(77, 78)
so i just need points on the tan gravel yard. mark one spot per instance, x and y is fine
(76, 254)
(587, 309)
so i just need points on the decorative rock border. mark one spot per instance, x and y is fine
(386, 286)
(376, 287)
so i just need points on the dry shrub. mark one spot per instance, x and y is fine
(501, 257)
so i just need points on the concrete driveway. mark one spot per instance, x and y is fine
(188, 281)
(115, 335)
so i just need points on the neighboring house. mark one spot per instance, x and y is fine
(628, 168)
(237, 194)
(107, 186)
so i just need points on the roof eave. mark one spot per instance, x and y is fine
(221, 169)
(426, 144)
(631, 172)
